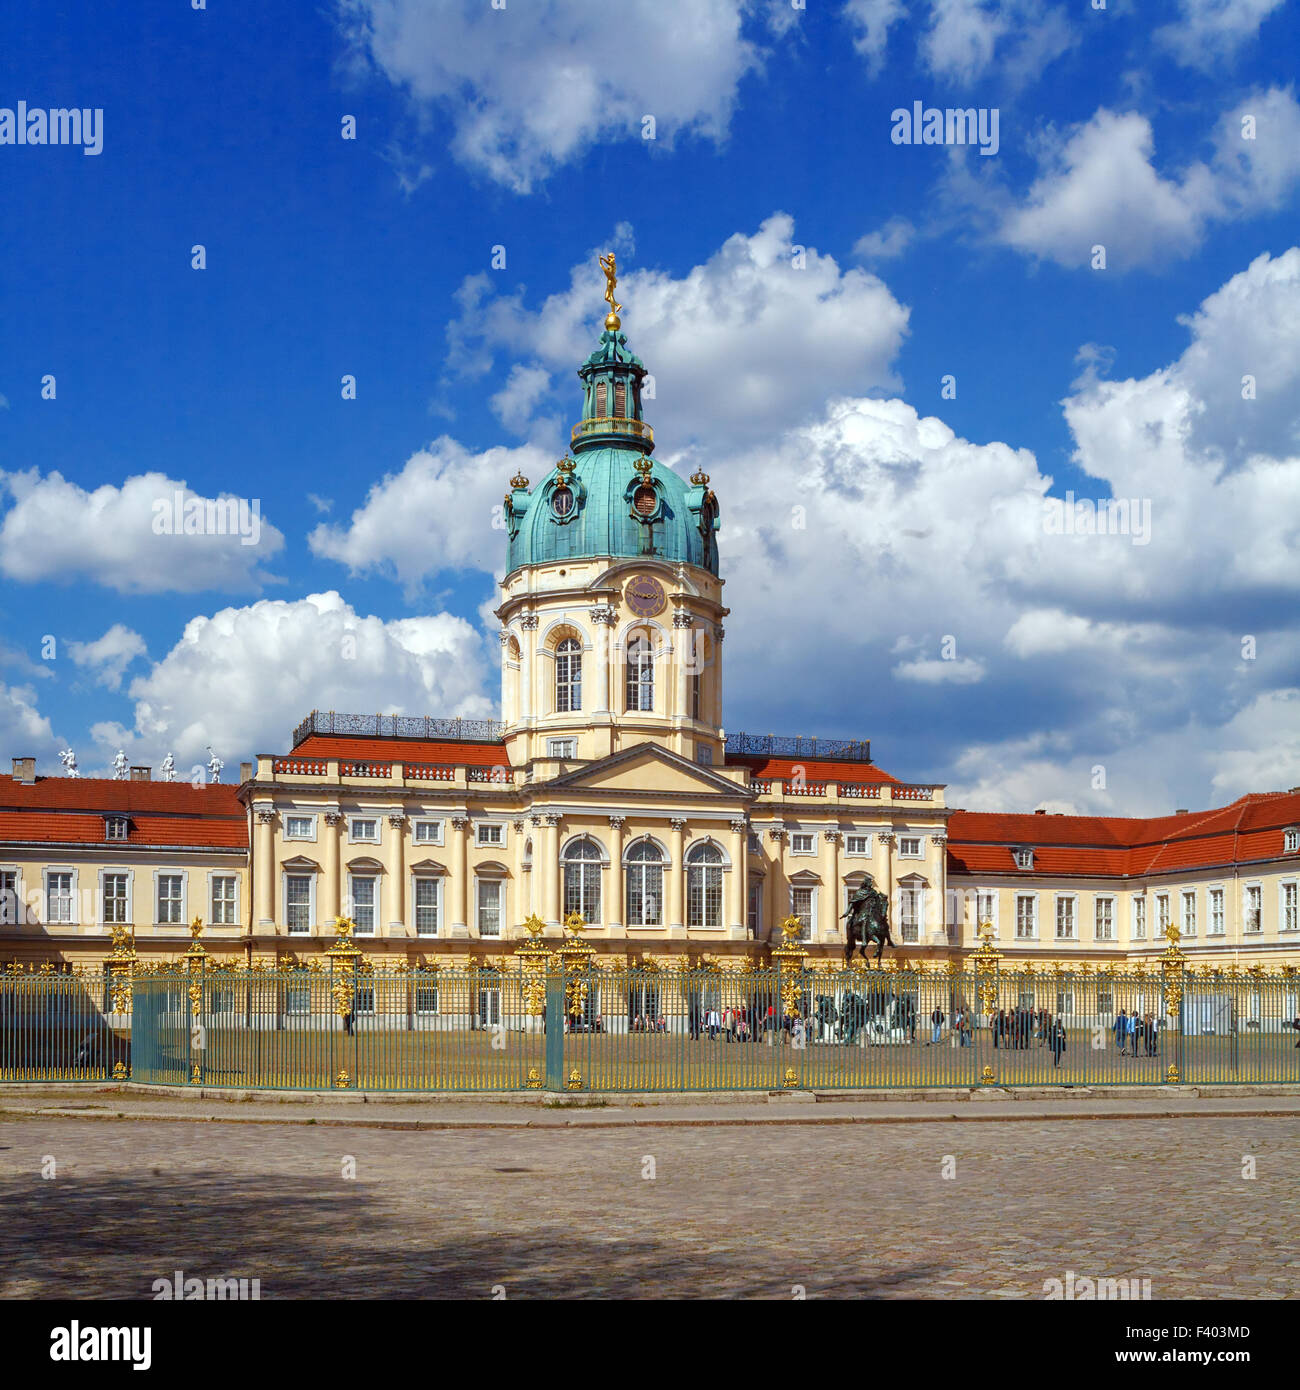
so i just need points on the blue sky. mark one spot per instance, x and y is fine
(920, 600)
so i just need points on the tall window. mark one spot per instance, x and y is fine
(640, 673)
(8, 896)
(1254, 921)
(754, 912)
(223, 902)
(489, 907)
(1162, 913)
(1189, 913)
(645, 885)
(697, 688)
(1026, 916)
(704, 886)
(620, 398)
(801, 906)
(909, 904)
(582, 880)
(170, 887)
(1139, 918)
(601, 398)
(426, 907)
(1105, 919)
(568, 676)
(297, 904)
(984, 909)
(1216, 911)
(1065, 919)
(115, 898)
(1288, 922)
(362, 888)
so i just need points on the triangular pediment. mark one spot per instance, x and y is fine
(650, 770)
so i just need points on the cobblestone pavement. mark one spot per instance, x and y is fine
(844, 1211)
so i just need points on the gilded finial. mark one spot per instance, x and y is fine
(644, 467)
(564, 467)
(609, 265)
(700, 478)
(518, 482)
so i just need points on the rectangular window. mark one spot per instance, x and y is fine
(1105, 919)
(297, 904)
(1139, 918)
(704, 754)
(428, 832)
(801, 906)
(115, 828)
(297, 999)
(909, 902)
(223, 902)
(1162, 913)
(1216, 911)
(1290, 841)
(1024, 859)
(489, 907)
(8, 897)
(426, 999)
(362, 891)
(754, 908)
(115, 898)
(857, 844)
(802, 844)
(985, 910)
(1026, 916)
(1065, 919)
(561, 747)
(170, 907)
(1254, 914)
(365, 830)
(1189, 913)
(426, 906)
(909, 847)
(300, 828)
(489, 833)
(1288, 922)
(58, 898)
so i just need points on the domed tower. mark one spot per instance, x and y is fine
(611, 607)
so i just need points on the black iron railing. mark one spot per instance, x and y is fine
(398, 726)
(856, 750)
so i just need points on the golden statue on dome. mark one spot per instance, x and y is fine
(609, 264)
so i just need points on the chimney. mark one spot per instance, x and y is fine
(1040, 812)
(246, 773)
(142, 774)
(25, 771)
(1181, 811)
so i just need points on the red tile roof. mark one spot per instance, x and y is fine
(402, 750)
(814, 769)
(1246, 831)
(70, 810)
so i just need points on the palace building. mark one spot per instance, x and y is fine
(609, 788)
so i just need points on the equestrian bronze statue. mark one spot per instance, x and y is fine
(868, 921)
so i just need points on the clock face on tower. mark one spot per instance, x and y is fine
(645, 596)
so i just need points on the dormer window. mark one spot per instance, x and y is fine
(645, 500)
(1024, 859)
(115, 827)
(1291, 840)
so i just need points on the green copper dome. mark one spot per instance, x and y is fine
(610, 498)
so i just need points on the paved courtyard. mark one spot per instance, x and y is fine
(844, 1210)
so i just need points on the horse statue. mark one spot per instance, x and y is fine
(867, 920)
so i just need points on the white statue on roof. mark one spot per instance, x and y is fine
(214, 766)
(69, 760)
(169, 768)
(119, 767)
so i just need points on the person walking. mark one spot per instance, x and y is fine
(1130, 1032)
(1121, 1028)
(936, 1025)
(713, 1023)
(1058, 1041)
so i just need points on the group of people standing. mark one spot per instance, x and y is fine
(1132, 1032)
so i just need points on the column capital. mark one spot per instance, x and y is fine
(739, 827)
(529, 622)
(777, 832)
(887, 838)
(604, 615)
(939, 840)
(397, 819)
(518, 826)
(459, 822)
(332, 817)
(266, 815)
(683, 619)
(617, 822)
(834, 836)
(504, 635)
(677, 822)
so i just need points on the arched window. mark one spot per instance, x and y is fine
(645, 885)
(582, 880)
(600, 400)
(704, 886)
(640, 673)
(620, 398)
(568, 676)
